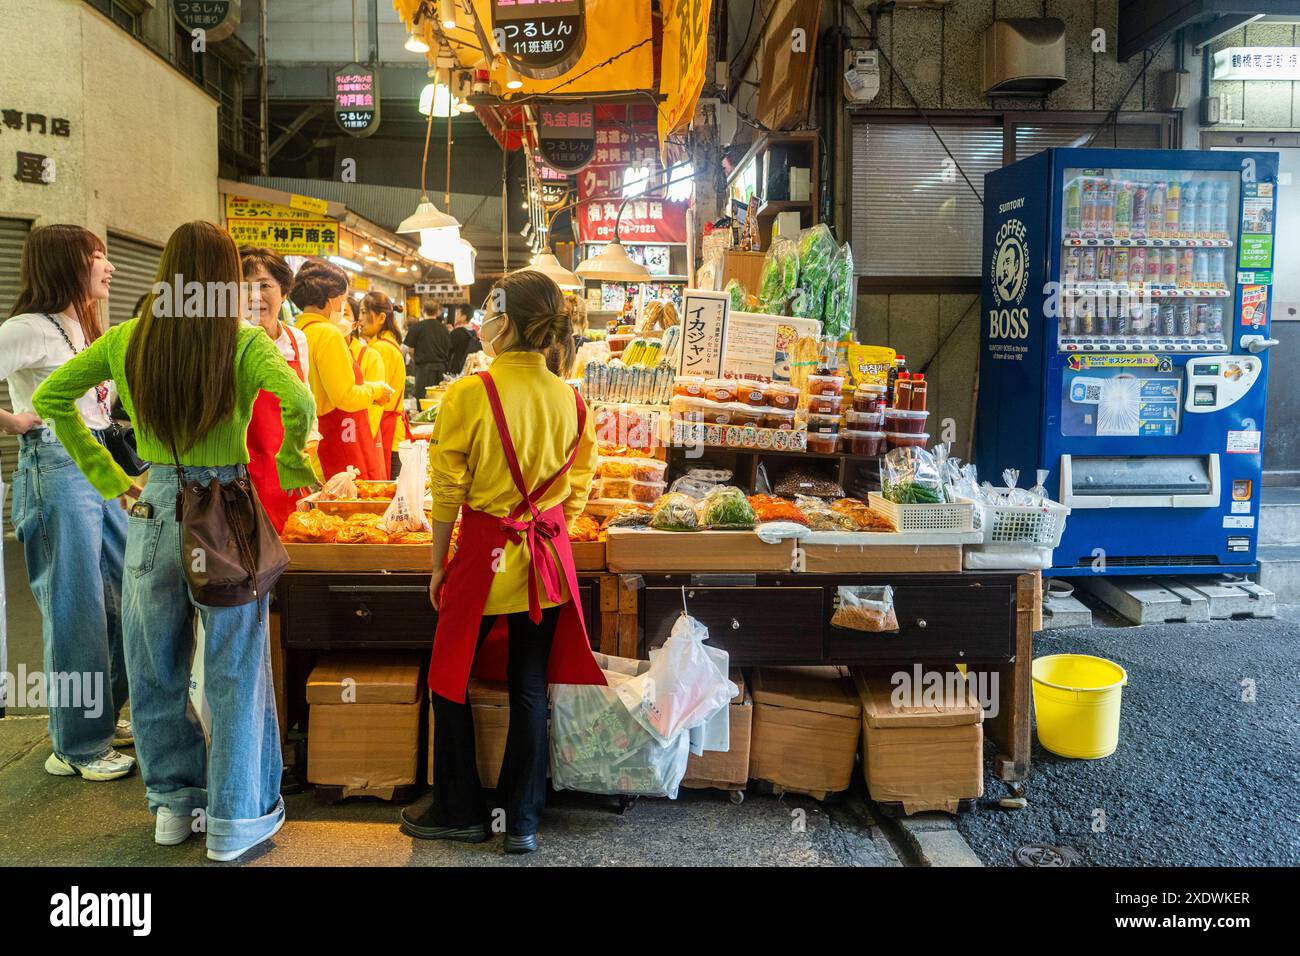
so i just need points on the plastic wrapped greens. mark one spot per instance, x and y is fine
(837, 315)
(780, 277)
(817, 250)
(739, 297)
(674, 512)
(911, 476)
(726, 508)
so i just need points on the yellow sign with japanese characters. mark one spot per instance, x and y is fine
(286, 230)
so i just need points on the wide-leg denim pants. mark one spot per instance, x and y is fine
(73, 541)
(234, 781)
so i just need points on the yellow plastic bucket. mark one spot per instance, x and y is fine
(1076, 703)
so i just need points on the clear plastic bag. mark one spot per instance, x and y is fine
(739, 297)
(597, 746)
(837, 315)
(340, 486)
(725, 508)
(406, 511)
(817, 249)
(865, 608)
(822, 517)
(674, 512)
(910, 476)
(683, 686)
(780, 276)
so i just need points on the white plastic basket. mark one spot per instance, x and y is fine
(1021, 524)
(1016, 536)
(956, 516)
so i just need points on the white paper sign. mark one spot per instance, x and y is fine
(1231, 522)
(1243, 443)
(1241, 507)
(704, 329)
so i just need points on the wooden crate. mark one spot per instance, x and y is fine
(636, 550)
(587, 556)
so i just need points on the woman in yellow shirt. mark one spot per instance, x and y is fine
(372, 370)
(385, 340)
(514, 453)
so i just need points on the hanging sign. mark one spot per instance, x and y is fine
(289, 237)
(542, 38)
(1257, 63)
(685, 61)
(566, 135)
(356, 99)
(444, 293)
(217, 19)
(646, 219)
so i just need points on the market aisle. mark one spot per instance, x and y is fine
(1200, 778)
(49, 821)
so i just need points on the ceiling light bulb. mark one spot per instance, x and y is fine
(415, 44)
(447, 14)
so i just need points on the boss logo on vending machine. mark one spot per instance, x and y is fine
(1008, 281)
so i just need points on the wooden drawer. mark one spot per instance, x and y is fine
(755, 625)
(949, 620)
(392, 611)
(350, 614)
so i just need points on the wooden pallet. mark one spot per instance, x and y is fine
(1149, 600)
(1228, 598)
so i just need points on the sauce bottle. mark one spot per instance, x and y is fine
(900, 365)
(903, 392)
(919, 389)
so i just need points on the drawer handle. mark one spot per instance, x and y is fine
(920, 622)
(363, 612)
(735, 625)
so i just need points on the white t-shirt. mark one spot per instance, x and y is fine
(285, 346)
(31, 348)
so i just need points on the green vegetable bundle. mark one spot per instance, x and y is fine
(739, 297)
(837, 316)
(725, 508)
(817, 250)
(911, 476)
(780, 277)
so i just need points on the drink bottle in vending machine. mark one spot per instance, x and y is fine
(1123, 210)
(1202, 211)
(1173, 203)
(1186, 268)
(1153, 268)
(1138, 227)
(1169, 268)
(1070, 268)
(1137, 266)
(1156, 211)
(1088, 207)
(1187, 214)
(1219, 212)
(1119, 266)
(1106, 208)
(1088, 265)
(1073, 209)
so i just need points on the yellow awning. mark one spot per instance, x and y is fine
(685, 56)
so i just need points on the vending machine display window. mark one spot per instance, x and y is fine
(1147, 260)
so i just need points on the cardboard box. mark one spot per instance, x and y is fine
(928, 757)
(490, 703)
(364, 723)
(806, 728)
(729, 770)
(638, 550)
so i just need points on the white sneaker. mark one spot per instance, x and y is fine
(122, 734)
(170, 829)
(225, 856)
(110, 766)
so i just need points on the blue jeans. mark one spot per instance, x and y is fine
(235, 779)
(73, 541)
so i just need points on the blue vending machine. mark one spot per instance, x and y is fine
(1124, 350)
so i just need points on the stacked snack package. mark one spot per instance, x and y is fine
(780, 277)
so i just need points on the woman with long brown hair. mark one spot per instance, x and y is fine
(514, 453)
(72, 539)
(385, 340)
(189, 372)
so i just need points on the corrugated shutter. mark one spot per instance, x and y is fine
(137, 264)
(1035, 139)
(12, 234)
(913, 213)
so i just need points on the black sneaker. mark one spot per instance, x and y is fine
(521, 844)
(422, 827)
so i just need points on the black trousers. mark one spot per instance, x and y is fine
(458, 799)
(428, 375)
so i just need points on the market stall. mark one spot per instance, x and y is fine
(772, 482)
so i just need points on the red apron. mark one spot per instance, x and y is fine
(377, 462)
(387, 429)
(265, 436)
(470, 575)
(335, 453)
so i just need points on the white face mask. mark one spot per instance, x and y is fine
(489, 342)
(342, 321)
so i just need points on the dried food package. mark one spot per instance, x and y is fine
(865, 518)
(822, 517)
(780, 276)
(865, 608)
(805, 481)
(772, 508)
(341, 485)
(311, 527)
(674, 512)
(584, 528)
(361, 534)
(837, 314)
(726, 508)
(629, 516)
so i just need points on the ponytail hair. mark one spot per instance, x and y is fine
(535, 307)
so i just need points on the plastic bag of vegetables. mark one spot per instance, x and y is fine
(911, 476)
(817, 250)
(739, 297)
(837, 316)
(674, 512)
(725, 508)
(780, 276)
